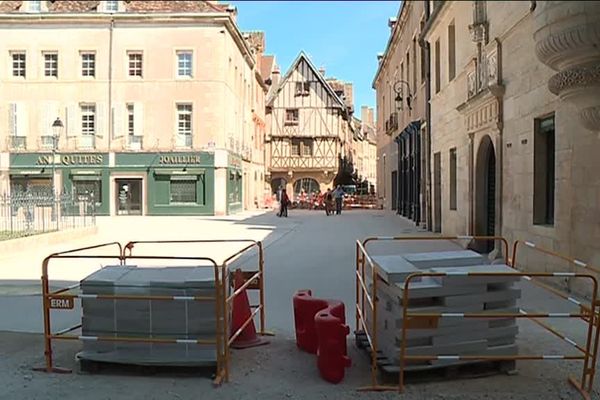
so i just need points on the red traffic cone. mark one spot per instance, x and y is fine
(240, 314)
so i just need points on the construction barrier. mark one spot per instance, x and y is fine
(62, 299)
(365, 301)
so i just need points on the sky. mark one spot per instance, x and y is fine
(342, 36)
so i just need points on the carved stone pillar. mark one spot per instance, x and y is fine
(567, 35)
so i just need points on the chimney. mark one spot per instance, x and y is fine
(366, 115)
(322, 71)
(392, 23)
(379, 57)
(276, 77)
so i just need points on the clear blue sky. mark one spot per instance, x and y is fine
(342, 36)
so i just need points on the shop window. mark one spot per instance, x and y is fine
(83, 190)
(183, 191)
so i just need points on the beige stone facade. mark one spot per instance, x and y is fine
(509, 157)
(402, 71)
(365, 147)
(135, 77)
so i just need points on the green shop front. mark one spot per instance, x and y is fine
(163, 184)
(234, 184)
(77, 174)
(124, 183)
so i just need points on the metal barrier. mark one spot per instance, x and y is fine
(61, 299)
(364, 298)
(588, 357)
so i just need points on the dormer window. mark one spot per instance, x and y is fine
(111, 6)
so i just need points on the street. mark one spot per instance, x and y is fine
(305, 251)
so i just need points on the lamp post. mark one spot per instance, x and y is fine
(57, 127)
(399, 90)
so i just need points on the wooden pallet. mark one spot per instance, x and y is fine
(108, 368)
(426, 373)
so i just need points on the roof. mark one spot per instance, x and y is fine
(266, 66)
(137, 6)
(326, 85)
(395, 31)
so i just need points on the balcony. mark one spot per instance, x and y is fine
(47, 142)
(86, 142)
(134, 142)
(183, 141)
(17, 142)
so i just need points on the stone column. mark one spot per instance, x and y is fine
(567, 36)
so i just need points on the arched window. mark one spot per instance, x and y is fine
(308, 185)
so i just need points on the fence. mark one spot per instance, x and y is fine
(27, 213)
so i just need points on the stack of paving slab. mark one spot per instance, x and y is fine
(158, 319)
(448, 294)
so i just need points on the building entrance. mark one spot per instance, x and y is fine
(129, 196)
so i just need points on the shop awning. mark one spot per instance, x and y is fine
(86, 175)
(44, 173)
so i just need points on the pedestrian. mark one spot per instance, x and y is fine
(338, 193)
(328, 202)
(283, 204)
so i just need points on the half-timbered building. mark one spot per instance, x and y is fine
(308, 131)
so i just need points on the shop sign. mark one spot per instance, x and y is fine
(70, 159)
(179, 159)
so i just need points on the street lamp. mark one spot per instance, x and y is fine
(57, 127)
(398, 89)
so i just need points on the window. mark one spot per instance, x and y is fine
(135, 64)
(302, 88)
(437, 66)
(112, 6)
(291, 116)
(414, 76)
(184, 119)
(407, 67)
(88, 64)
(88, 119)
(183, 191)
(18, 64)
(453, 179)
(544, 171)
(91, 188)
(451, 52)
(130, 120)
(51, 64)
(302, 147)
(184, 63)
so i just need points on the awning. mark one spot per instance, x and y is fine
(43, 173)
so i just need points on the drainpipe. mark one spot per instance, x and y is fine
(110, 72)
(426, 46)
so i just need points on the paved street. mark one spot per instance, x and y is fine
(306, 250)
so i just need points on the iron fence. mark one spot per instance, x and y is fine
(31, 213)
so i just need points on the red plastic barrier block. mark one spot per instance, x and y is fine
(332, 359)
(305, 308)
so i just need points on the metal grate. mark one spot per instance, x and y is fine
(183, 191)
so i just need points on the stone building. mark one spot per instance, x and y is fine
(402, 138)
(365, 148)
(161, 102)
(509, 156)
(308, 130)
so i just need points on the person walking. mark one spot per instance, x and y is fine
(328, 202)
(338, 193)
(284, 202)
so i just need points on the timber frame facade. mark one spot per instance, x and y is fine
(308, 130)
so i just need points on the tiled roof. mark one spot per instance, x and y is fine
(266, 66)
(140, 6)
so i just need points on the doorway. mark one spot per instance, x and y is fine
(394, 190)
(437, 192)
(129, 196)
(485, 187)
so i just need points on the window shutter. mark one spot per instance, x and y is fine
(138, 119)
(119, 127)
(12, 119)
(48, 116)
(73, 122)
(100, 120)
(22, 123)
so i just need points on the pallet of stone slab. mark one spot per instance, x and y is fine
(169, 320)
(388, 368)
(444, 259)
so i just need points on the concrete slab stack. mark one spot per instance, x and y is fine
(448, 294)
(158, 319)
